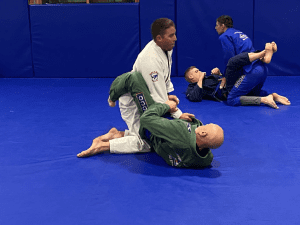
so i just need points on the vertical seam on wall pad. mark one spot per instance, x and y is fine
(176, 55)
(253, 21)
(140, 37)
(30, 32)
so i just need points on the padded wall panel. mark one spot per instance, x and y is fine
(84, 40)
(198, 42)
(279, 21)
(151, 10)
(15, 47)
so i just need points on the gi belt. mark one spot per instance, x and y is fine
(218, 94)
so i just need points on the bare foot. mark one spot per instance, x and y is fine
(258, 55)
(101, 143)
(269, 101)
(281, 99)
(110, 102)
(274, 46)
(269, 53)
(96, 148)
(112, 134)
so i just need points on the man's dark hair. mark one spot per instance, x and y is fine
(186, 72)
(160, 25)
(226, 20)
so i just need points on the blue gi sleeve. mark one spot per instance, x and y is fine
(228, 48)
(194, 93)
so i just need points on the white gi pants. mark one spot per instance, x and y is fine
(131, 142)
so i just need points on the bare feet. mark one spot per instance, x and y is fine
(112, 134)
(110, 102)
(281, 99)
(101, 144)
(259, 55)
(274, 46)
(96, 148)
(269, 53)
(269, 100)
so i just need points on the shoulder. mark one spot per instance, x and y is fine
(151, 50)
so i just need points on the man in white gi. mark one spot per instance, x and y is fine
(154, 62)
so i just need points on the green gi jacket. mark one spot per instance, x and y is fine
(174, 140)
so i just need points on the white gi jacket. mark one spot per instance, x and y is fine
(155, 66)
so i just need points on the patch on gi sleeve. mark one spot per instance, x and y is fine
(243, 36)
(142, 101)
(175, 161)
(239, 81)
(154, 76)
(189, 127)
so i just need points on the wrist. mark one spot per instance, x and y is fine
(199, 83)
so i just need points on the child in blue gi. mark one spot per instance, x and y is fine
(213, 86)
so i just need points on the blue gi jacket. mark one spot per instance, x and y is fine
(210, 90)
(235, 42)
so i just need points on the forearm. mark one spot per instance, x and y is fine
(200, 83)
(152, 119)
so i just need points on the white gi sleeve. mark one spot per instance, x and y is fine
(153, 74)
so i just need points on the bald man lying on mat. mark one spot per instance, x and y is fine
(178, 142)
(234, 88)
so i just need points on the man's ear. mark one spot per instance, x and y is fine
(203, 133)
(158, 38)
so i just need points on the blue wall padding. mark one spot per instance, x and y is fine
(279, 21)
(95, 40)
(151, 10)
(198, 42)
(15, 47)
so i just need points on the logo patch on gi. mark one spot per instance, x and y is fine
(175, 161)
(142, 101)
(154, 76)
(243, 36)
(189, 127)
(239, 81)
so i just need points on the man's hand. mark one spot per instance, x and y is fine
(187, 116)
(223, 82)
(173, 98)
(216, 71)
(173, 106)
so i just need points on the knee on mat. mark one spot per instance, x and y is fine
(232, 101)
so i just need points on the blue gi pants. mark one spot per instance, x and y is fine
(249, 84)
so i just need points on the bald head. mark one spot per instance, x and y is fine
(209, 136)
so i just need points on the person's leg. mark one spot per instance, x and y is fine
(246, 83)
(270, 49)
(128, 141)
(101, 144)
(134, 84)
(236, 64)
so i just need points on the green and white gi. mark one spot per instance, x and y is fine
(174, 140)
(155, 66)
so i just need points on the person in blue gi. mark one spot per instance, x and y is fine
(245, 85)
(213, 87)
